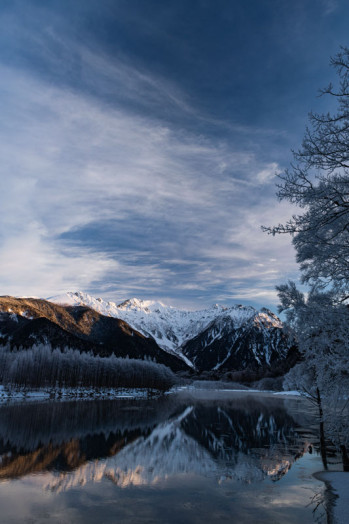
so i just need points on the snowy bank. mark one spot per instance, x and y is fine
(198, 388)
(216, 389)
(79, 393)
(339, 481)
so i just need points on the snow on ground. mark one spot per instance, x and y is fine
(339, 481)
(82, 393)
(216, 390)
(290, 393)
(8, 394)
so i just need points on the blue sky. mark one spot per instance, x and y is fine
(140, 141)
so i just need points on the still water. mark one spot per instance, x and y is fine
(178, 459)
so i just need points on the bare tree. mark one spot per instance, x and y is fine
(318, 183)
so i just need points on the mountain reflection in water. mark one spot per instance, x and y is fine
(245, 439)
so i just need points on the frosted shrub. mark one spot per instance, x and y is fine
(41, 366)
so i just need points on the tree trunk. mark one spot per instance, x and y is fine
(322, 432)
(345, 458)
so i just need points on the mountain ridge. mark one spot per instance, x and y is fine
(255, 337)
(25, 322)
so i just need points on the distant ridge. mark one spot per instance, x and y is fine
(216, 338)
(28, 321)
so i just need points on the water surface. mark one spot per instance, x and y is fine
(227, 458)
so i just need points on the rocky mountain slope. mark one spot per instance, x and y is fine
(28, 321)
(226, 344)
(217, 338)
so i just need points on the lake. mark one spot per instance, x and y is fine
(181, 458)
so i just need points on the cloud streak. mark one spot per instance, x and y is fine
(99, 198)
(123, 179)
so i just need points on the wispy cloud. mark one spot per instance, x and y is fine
(268, 174)
(97, 198)
(329, 6)
(108, 186)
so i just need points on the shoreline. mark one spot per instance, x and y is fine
(337, 488)
(8, 395)
(22, 394)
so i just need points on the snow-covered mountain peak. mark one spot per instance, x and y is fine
(268, 319)
(172, 327)
(218, 307)
(147, 306)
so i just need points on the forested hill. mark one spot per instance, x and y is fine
(28, 321)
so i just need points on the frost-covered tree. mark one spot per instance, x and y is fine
(42, 366)
(318, 183)
(321, 330)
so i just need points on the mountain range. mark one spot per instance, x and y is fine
(214, 339)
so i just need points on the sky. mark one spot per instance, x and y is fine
(140, 143)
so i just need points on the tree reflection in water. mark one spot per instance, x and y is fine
(141, 442)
